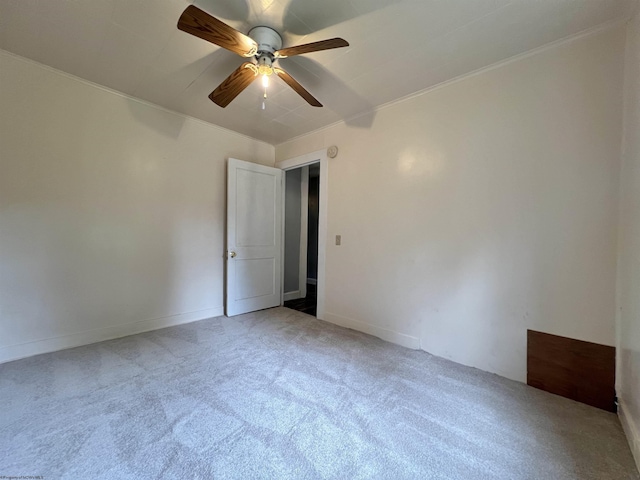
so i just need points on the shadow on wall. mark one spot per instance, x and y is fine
(102, 253)
(189, 86)
(166, 124)
(630, 365)
(494, 278)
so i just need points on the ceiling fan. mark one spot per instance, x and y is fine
(263, 43)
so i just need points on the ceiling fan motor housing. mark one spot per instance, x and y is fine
(268, 40)
(265, 62)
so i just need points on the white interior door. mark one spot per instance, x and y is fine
(254, 237)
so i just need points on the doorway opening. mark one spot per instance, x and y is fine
(293, 163)
(301, 222)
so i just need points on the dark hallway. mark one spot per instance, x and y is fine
(307, 304)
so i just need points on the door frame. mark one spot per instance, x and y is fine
(320, 157)
(301, 291)
(304, 226)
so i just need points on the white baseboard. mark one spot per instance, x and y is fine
(312, 281)
(631, 429)
(292, 295)
(388, 335)
(47, 345)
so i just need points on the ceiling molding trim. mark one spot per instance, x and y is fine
(611, 24)
(129, 97)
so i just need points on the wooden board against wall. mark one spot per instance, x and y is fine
(581, 371)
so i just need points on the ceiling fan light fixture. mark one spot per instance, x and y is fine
(265, 70)
(263, 42)
(265, 65)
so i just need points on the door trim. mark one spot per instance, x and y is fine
(301, 292)
(304, 225)
(319, 156)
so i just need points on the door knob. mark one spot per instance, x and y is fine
(232, 254)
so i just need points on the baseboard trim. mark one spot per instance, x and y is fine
(48, 345)
(291, 295)
(312, 281)
(631, 430)
(382, 333)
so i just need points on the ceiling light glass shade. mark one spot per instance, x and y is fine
(264, 69)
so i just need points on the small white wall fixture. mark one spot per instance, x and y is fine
(319, 156)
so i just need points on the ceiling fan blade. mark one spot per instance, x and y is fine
(202, 25)
(300, 90)
(235, 83)
(311, 47)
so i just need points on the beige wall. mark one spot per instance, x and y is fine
(483, 208)
(111, 212)
(628, 378)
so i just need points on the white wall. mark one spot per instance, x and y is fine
(628, 368)
(111, 212)
(483, 208)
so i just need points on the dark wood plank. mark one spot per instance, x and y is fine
(575, 369)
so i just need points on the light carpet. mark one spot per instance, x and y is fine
(278, 394)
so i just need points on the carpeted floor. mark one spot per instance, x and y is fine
(278, 394)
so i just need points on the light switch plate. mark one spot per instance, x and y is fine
(338, 239)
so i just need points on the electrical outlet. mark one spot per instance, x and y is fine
(338, 239)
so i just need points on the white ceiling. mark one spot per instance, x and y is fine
(398, 47)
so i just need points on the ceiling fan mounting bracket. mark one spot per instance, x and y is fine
(268, 40)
